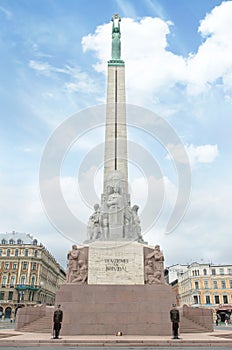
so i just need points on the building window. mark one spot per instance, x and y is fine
(16, 252)
(4, 281)
(11, 241)
(19, 241)
(7, 265)
(33, 281)
(223, 283)
(207, 299)
(23, 280)
(221, 271)
(26, 252)
(15, 266)
(12, 281)
(0, 252)
(2, 294)
(196, 285)
(215, 285)
(195, 299)
(35, 253)
(24, 265)
(206, 284)
(195, 272)
(217, 300)
(205, 272)
(213, 272)
(4, 241)
(230, 284)
(229, 271)
(225, 299)
(34, 266)
(10, 295)
(8, 252)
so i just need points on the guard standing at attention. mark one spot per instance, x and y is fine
(57, 321)
(175, 319)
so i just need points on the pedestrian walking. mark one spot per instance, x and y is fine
(175, 319)
(57, 321)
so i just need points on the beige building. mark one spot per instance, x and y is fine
(206, 285)
(29, 274)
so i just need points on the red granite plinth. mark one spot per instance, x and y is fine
(106, 309)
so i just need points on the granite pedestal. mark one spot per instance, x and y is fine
(106, 309)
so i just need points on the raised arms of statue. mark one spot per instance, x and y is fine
(116, 19)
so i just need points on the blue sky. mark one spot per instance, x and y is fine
(178, 58)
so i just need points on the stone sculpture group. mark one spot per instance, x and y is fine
(115, 219)
(77, 268)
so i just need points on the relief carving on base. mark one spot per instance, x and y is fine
(154, 266)
(77, 265)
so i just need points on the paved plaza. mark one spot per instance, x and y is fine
(221, 338)
(126, 348)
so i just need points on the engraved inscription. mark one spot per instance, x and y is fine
(116, 264)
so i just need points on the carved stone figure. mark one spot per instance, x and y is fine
(136, 223)
(105, 226)
(157, 258)
(150, 275)
(77, 265)
(72, 257)
(115, 199)
(115, 205)
(81, 275)
(94, 223)
(128, 221)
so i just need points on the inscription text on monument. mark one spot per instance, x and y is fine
(116, 263)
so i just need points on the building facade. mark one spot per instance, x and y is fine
(29, 274)
(206, 285)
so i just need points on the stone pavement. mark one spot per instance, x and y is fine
(219, 338)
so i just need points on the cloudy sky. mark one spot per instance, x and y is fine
(178, 61)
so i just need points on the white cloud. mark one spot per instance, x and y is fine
(214, 56)
(202, 154)
(196, 154)
(204, 232)
(153, 67)
(40, 66)
(147, 68)
(78, 81)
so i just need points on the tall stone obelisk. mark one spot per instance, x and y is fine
(116, 128)
(115, 219)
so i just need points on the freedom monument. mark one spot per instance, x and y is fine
(115, 281)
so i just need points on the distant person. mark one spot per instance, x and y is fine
(57, 321)
(175, 319)
(218, 319)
